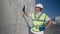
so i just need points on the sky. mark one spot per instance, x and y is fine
(51, 7)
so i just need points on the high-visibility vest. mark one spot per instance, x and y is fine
(38, 23)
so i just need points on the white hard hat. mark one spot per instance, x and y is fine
(39, 5)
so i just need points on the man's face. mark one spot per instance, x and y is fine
(37, 9)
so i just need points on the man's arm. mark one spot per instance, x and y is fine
(49, 24)
(25, 13)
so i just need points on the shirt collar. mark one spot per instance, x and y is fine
(38, 13)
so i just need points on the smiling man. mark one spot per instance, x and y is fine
(38, 20)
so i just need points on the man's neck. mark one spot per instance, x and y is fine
(38, 12)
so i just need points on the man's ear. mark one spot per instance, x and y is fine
(40, 9)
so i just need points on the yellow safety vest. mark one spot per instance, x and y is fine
(38, 23)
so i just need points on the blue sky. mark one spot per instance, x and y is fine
(51, 7)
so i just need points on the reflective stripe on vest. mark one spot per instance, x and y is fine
(38, 23)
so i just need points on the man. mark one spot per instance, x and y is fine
(38, 20)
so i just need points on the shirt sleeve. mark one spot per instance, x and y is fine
(47, 19)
